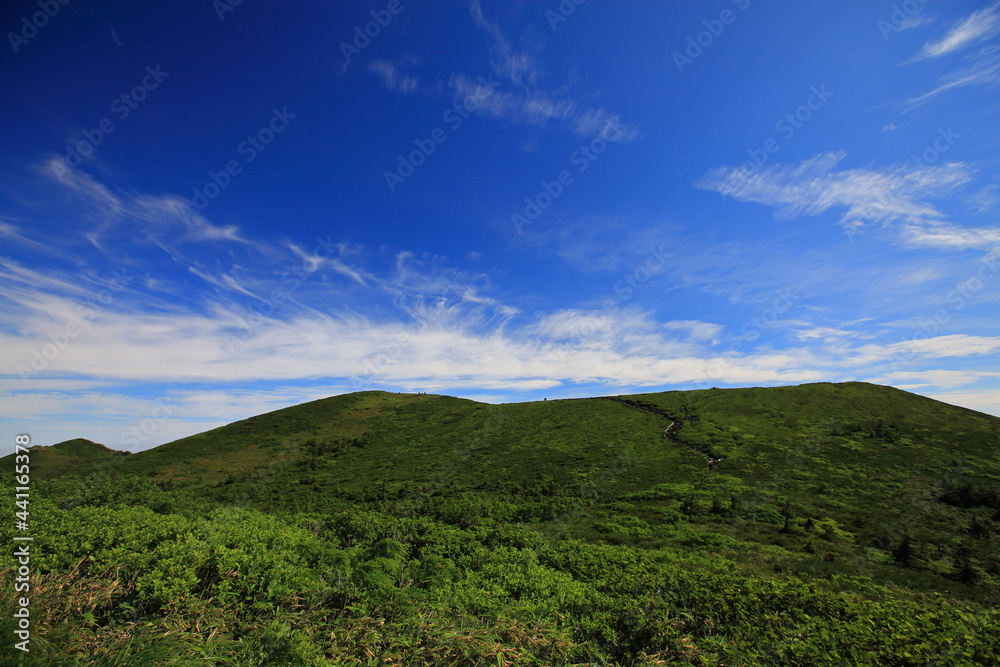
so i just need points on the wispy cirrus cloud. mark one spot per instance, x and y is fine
(697, 330)
(815, 185)
(953, 345)
(443, 327)
(312, 262)
(536, 108)
(420, 322)
(978, 68)
(518, 67)
(426, 344)
(981, 68)
(80, 183)
(527, 103)
(898, 195)
(116, 213)
(826, 334)
(947, 236)
(442, 343)
(979, 26)
(14, 233)
(392, 78)
(512, 92)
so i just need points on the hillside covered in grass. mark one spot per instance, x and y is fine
(70, 456)
(818, 524)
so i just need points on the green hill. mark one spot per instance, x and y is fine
(881, 505)
(66, 458)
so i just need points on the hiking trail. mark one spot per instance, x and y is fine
(670, 433)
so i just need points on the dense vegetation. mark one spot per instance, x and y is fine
(824, 524)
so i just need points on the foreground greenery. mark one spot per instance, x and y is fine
(845, 525)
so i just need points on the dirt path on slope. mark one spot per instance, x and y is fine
(673, 428)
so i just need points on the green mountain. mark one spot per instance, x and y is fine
(785, 525)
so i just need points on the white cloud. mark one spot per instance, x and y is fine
(313, 262)
(696, 330)
(444, 343)
(575, 325)
(440, 351)
(938, 378)
(987, 400)
(920, 276)
(814, 186)
(950, 237)
(517, 67)
(10, 384)
(527, 104)
(986, 199)
(392, 78)
(825, 334)
(981, 25)
(14, 233)
(981, 68)
(954, 345)
(538, 108)
(163, 220)
(167, 211)
(434, 328)
(83, 185)
(30, 286)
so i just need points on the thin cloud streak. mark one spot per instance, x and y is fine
(814, 186)
(979, 26)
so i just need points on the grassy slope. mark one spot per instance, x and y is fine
(824, 471)
(375, 438)
(817, 488)
(67, 457)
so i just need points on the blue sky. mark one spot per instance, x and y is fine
(209, 210)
